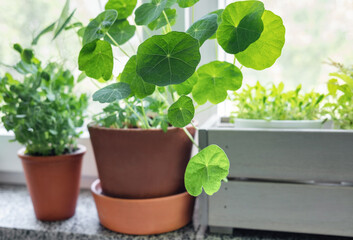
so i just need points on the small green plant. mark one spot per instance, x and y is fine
(340, 88)
(42, 110)
(259, 102)
(165, 68)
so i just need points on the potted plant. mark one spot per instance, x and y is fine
(43, 112)
(143, 138)
(341, 96)
(261, 107)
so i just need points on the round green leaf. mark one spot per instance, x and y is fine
(214, 79)
(241, 25)
(186, 87)
(206, 170)
(168, 59)
(219, 20)
(121, 31)
(186, 3)
(204, 28)
(112, 92)
(181, 112)
(149, 12)
(96, 59)
(161, 21)
(139, 88)
(264, 52)
(123, 7)
(99, 26)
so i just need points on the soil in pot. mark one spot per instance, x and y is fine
(138, 163)
(53, 183)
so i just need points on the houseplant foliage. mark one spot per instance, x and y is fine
(157, 83)
(273, 103)
(340, 87)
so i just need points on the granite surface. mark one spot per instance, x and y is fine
(17, 221)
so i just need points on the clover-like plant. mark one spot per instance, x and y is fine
(166, 68)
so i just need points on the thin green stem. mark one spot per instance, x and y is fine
(137, 115)
(241, 67)
(169, 29)
(192, 124)
(144, 114)
(170, 90)
(191, 138)
(95, 84)
(146, 31)
(216, 45)
(234, 60)
(192, 14)
(117, 45)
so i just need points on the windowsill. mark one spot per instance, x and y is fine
(17, 221)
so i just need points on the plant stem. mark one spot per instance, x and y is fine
(216, 45)
(234, 60)
(144, 114)
(191, 138)
(117, 45)
(146, 31)
(169, 29)
(95, 84)
(241, 67)
(192, 124)
(170, 90)
(192, 14)
(137, 115)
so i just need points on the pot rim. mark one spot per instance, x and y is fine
(96, 189)
(95, 126)
(80, 151)
(278, 121)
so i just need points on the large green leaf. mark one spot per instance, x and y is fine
(206, 170)
(214, 79)
(264, 52)
(44, 31)
(241, 25)
(219, 20)
(121, 31)
(96, 59)
(99, 26)
(139, 88)
(186, 87)
(148, 12)
(186, 3)
(181, 112)
(168, 59)
(161, 20)
(204, 28)
(112, 92)
(123, 7)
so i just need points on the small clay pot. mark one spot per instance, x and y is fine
(53, 183)
(141, 163)
(143, 216)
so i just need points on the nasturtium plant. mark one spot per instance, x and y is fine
(165, 79)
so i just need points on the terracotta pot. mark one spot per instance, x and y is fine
(138, 163)
(53, 183)
(143, 216)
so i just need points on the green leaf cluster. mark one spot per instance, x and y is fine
(162, 83)
(340, 104)
(273, 103)
(41, 108)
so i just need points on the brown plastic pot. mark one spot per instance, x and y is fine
(143, 216)
(53, 183)
(139, 163)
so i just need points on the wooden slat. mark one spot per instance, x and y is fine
(283, 207)
(295, 155)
